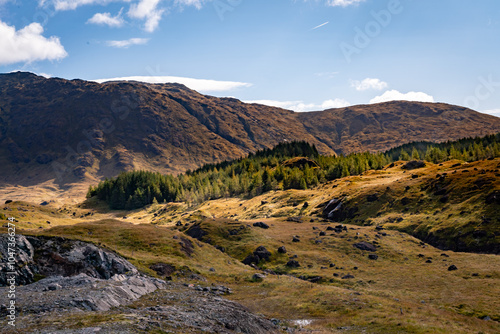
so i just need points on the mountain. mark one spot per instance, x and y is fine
(377, 127)
(73, 131)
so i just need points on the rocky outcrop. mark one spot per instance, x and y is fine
(84, 292)
(82, 279)
(54, 256)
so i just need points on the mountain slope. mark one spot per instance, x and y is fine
(83, 129)
(76, 132)
(382, 126)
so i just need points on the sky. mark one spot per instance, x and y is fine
(297, 54)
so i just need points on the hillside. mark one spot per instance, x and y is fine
(378, 127)
(363, 270)
(58, 136)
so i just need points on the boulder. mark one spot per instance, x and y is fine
(366, 246)
(261, 225)
(293, 264)
(414, 164)
(258, 277)
(282, 250)
(262, 253)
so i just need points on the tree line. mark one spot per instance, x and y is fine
(290, 165)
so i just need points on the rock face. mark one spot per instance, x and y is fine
(47, 257)
(337, 211)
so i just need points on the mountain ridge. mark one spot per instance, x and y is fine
(76, 131)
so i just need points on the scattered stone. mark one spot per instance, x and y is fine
(258, 277)
(452, 267)
(251, 259)
(315, 279)
(349, 276)
(294, 219)
(322, 234)
(414, 164)
(366, 246)
(373, 256)
(44, 203)
(428, 261)
(282, 250)
(293, 264)
(261, 225)
(9, 201)
(262, 253)
(329, 228)
(295, 239)
(212, 270)
(445, 255)
(162, 269)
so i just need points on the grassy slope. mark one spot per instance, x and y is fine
(397, 293)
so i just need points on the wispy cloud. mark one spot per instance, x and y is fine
(394, 95)
(107, 19)
(300, 106)
(321, 25)
(368, 83)
(61, 5)
(200, 85)
(127, 43)
(343, 3)
(28, 45)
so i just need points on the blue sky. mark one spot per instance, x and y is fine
(298, 54)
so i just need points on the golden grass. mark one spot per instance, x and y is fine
(398, 293)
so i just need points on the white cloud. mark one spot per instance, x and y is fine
(343, 3)
(300, 106)
(28, 45)
(494, 112)
(368, 83)
(394, 95)
(201, 85)
(128, 42)
(61, 5)
(147, 10)
(196, 3)
(107, 19)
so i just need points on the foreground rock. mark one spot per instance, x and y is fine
(55, 256)
(86, 282)
(83, 293)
